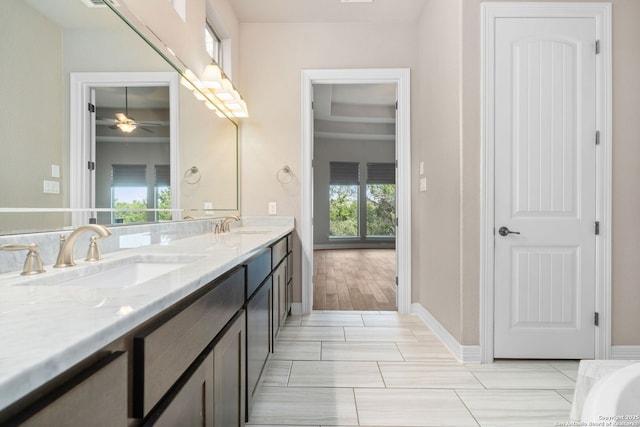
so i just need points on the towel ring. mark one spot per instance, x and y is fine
(284, 175)
(192, 175)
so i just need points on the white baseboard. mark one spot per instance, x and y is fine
(625, 352)
(464, 353)
(296, 308)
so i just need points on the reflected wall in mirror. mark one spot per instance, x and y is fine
(41, 43)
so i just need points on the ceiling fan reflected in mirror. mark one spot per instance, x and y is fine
(126, 123)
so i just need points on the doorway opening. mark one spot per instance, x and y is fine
(94, 129)
(370, 212)
(354, 151)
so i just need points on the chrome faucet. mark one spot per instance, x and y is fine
(224, 226)
(33, 263)
(65, 256)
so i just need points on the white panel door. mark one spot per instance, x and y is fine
(545, 187)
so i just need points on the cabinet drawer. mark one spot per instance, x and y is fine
(96, 397)
(278, 252)
(258, 268)
(164, 351)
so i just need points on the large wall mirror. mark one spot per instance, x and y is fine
(55, 55)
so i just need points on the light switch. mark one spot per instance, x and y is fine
(423, 184)
(51, 187)
(55, 171)
(421, 167)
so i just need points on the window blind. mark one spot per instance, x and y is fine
(381, 173)
(128, 175)
(344, 173)
(163, 178)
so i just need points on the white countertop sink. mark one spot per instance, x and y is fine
(118, 273)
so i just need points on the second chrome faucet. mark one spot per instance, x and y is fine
(65, 256)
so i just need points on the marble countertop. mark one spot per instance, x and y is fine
(46, 328)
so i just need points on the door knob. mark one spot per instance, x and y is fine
(504, 231)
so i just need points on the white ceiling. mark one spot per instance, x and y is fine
(364, 112)
(333, 11)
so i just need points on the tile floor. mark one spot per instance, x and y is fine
(384, 369)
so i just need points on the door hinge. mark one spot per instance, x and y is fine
(597, 47)
(91, 165)
(396, 280)
(597, 137)
(597, 228)
(395, 221)
(312, 105)
(596, 318)
(396, 105)
(396, 164)
(91, 107)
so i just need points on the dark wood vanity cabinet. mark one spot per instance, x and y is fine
(97, 396)
(211, 392)
(197, 363)
(163, 351)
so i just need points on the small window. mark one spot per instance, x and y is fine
(344, 195)
(381, 199)
(129, 191)
(213, 44)
(162, 192)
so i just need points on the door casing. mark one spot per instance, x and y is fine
(401, 77)
(601, 12)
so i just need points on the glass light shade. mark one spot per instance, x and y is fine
(126, 127)
(226, 93)
(212, 77)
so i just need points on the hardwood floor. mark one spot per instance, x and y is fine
(354, 279)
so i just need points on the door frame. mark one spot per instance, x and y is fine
(401, 77)
(601, 12)
(81, 84)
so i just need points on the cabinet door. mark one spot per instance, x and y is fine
(189, 404)
(289, 282)
(280, 297)
(96, 397)
(258, 314)
(229, 376)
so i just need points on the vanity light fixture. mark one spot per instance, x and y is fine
(216, 91)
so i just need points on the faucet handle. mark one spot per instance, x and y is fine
(93, 254)
(33, 263)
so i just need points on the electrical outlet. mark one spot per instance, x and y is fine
(208, 206)
(55, 171)
(273, 208)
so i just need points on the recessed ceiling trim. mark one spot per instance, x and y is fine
(356, 1)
